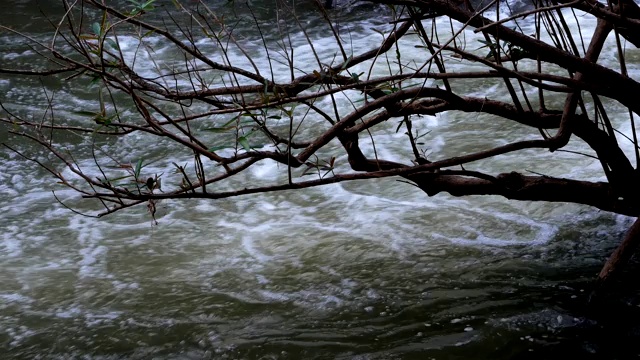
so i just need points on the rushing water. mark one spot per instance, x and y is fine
(362, 270)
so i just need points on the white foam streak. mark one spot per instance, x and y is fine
(339, 246)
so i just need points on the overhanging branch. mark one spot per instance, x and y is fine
(516, 186)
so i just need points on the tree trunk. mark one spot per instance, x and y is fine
(618, 259)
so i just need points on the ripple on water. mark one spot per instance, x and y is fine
(369, 270)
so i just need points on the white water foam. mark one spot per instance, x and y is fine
(318, 249)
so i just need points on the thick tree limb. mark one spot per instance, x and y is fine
(516, 186)
(618, 259)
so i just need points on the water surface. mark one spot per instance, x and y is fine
(359, 270)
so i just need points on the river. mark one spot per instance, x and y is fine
(358, 270)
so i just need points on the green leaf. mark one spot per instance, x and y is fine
(118, 178)
(307, 171)
(219, 129)
(148, 5)
(220, 147)
(257, 146)
(95, 27)
(147, 34)
(140, 6)
(137, 170)
(377, 31)
(112, 43)
(95, 80)
(244, 142)
(346, 63)
(356, 77)
(225, 127)
(87, 113)
(105, 120)
(399, 125)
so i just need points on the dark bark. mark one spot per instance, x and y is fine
(618, 259)
(625, 14)
(624, 91)
(516, 186)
